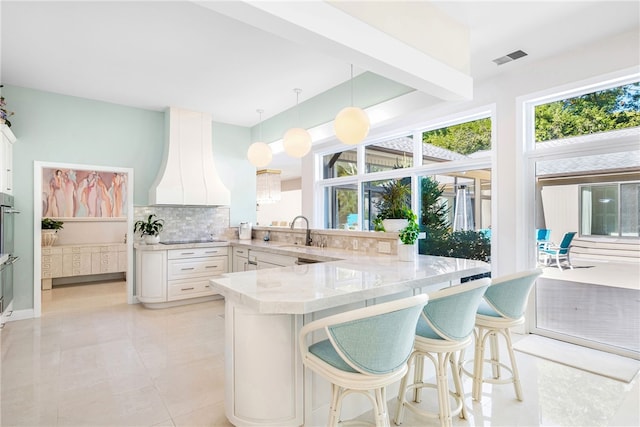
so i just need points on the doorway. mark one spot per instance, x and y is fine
(95, 206)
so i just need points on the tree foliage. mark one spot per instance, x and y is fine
(464, 138)
(605, 110)
(433, 213)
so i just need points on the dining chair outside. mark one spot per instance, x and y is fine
(503, 307)
(445, 327)
(365, 350)
(559, 252)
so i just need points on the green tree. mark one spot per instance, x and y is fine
(463, 138)
(600, 111)
(433, 213)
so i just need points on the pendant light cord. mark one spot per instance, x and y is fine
(297, 91)
(259, 111)
(351, 85)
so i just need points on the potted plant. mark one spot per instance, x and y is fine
(408, 236)
(393, 205)
(149, 229)
(50, 229)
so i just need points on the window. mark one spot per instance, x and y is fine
(341, 207)
(339, 164)
(389, 154)
(610, 209)
(456, 142)
(352, 181)
(599, 111)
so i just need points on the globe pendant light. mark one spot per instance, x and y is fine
(297, 141)
(351, 125)
(259, 153)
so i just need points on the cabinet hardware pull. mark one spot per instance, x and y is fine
(190, 268)
(211, 252)
(211, 266)
(186, 289)
(187, 253)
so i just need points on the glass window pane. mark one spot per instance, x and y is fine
(341, 205)
(630, 210)
(395, 153)
(457, 142)
(600, 111)
(599, 210)
(438, 201)
(372, 195)
(339, 164)
(584, 165)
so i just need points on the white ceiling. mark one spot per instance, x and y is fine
(153, 54)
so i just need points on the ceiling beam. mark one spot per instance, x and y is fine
(325, 28)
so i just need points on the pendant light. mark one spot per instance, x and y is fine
(268, 186)
(259, 153)
(297, 141)
(351, 125)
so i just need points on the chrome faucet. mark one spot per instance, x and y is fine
(308, 240)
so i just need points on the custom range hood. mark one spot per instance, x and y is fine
(188, 173)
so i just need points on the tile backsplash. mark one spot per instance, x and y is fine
(187, 222)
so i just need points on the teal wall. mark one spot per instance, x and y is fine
(65, 129)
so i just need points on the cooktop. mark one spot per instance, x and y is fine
(179, 242)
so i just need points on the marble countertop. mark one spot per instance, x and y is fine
(341, 277)
(303, 289)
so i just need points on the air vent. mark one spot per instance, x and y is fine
(510, 57)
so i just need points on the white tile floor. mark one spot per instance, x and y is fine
(94, 360)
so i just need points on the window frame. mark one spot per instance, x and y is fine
(618, 185)
(414, 172)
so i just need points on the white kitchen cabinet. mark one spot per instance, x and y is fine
(6, 159)
(81, 260)
(241, 260)
(167, 276)
(270, 260)
(245, 259)
(151, 276)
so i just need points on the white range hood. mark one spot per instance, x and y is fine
(188, 173)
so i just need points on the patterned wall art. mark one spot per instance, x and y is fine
(72, 193)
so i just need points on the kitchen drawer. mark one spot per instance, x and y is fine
(191, 288)
(198, 252)
(241, 252)
(197, 267)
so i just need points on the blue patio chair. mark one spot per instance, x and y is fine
(558, 252)
(444, 329)
(542, 236)
(502, 308)
(366, 350)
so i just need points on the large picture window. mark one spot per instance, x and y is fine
(354, 180)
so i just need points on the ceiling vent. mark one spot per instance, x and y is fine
(510, 57)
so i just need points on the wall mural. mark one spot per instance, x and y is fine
(69, 193)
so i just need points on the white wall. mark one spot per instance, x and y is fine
(560, 205)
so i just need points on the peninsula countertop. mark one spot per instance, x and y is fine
(303, 289)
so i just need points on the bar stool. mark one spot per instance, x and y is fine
(366, 350)
(445, 327)
(503, 307)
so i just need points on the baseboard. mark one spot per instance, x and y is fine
(20, 315)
